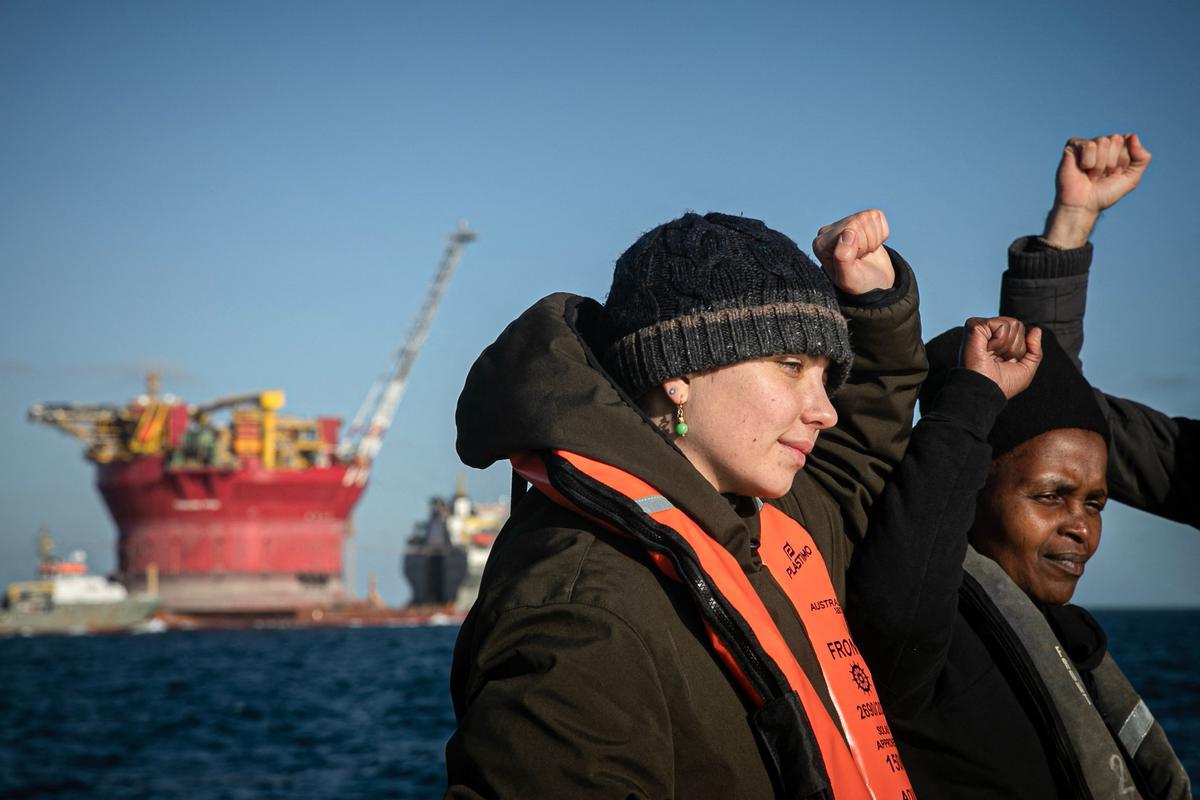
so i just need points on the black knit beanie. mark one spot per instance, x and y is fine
(702, 292)
(1058, 397)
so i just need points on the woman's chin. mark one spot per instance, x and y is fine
(776, 489)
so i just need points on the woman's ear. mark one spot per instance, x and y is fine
(677, 390)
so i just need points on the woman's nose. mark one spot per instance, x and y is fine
(1078, 525)
(819, 412)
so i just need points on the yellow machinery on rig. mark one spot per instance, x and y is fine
(189, 436)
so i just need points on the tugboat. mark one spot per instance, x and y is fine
(66, 599)
(446, 553)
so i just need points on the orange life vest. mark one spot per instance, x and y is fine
(806, 751)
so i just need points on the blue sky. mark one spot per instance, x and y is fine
(255, 195)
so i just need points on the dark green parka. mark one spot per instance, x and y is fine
(582, 671)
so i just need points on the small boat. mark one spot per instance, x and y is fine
(66, 599)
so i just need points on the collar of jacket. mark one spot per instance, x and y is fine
(541, 386)
(1084, 750)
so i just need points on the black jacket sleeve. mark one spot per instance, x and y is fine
(1047, 287)
(902, 592)
(1152, 458)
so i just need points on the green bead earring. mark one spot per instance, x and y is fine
(681, 427)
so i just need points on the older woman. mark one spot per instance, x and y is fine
(994, 685)
(646, 626)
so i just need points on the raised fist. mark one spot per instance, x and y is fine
(1001, 349)
(1092, 176)
(1095, 173)
(852, 253)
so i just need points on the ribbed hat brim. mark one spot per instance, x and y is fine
(707, 340)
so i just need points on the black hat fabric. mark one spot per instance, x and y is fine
(702, 292)
(1058, 397)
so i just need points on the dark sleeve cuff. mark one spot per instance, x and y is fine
(878, 298)
(969, 401)
(1032, 257)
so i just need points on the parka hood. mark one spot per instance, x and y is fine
(541, 386)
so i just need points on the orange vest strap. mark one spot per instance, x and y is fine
(789, 552)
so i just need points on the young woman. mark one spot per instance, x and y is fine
(646, 626)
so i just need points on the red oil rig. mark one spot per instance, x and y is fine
(237, 508)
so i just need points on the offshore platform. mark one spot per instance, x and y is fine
(238, 508)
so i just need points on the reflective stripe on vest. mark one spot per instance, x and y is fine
(864, 762)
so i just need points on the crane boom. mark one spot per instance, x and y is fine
(346, 446)
(382, 399)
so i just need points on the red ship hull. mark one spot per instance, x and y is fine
(249, 540)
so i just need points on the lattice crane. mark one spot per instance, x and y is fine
(364, 438)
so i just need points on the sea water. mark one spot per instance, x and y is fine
(332, 713)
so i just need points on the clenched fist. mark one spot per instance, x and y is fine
(1001, 349)
(1092, 176)
(852, 253)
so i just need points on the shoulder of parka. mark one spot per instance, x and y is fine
(548, 556)
(582, 671)
(559, 671)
